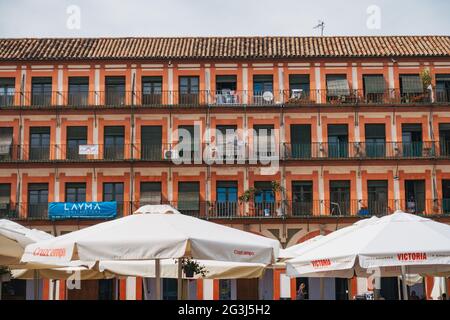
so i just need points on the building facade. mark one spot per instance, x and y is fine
(287, 137)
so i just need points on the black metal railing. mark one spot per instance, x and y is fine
(288, 97)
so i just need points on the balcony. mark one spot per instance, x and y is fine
(364, 150)
(219, 210)
(224, 154)
(222, 98)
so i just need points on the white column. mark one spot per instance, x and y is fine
(23, 79)
(60, 86)
(56, 190)
(97, 84)
(397, 193)
(355, 84)
(318, 82)
(359, 189)
(208, 93)
(94, 186)
(245, 83)
(208, 289)
(321, 193)
(133, 84)
(391, 78)
(170, 83)
(131, 288)
(281, 82)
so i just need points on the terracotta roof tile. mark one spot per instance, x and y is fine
(222, 47)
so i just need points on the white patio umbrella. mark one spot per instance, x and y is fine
(155, 232)
(146, 269)
(394, 245)
(296, 250)
(13, 240)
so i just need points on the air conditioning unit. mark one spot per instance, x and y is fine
(171, 154)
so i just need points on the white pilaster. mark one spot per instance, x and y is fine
(391, 79)
(355, 84)
(60, 85)
(97, 84)
(131, 288)
(170, 83)
(245, 83)
(321, 193)
(133, 83)
(23, 79)
(208, 289)
(281, 81)
(318, 82)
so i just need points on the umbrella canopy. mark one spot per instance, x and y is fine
(296, 250)
(155, 232)
(13, 240)
(146, 269)
(169, 269)
(383, 247)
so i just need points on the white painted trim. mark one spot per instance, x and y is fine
(115, 66)
(262, 64)
(443, 63)
(245, 84)
(372, 64)
(208, 289)
(402, 64)
(226, 65)
(188, 65)
(42, 67)
(271, 69)
(152, 65)
(79, 66)
(297, 64)
(8, 67)
(355, 78)
(298, 68)
(318, 84)
(149, 69)
(336, 64)
(391, 77)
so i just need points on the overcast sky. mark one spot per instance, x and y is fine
(50, 18)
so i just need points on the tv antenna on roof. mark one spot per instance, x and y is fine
(320, 25)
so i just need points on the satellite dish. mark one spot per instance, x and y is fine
(268, 96)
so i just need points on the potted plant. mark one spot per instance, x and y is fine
(5, 274)
(425, 76)
(249, 194)
(192, 267)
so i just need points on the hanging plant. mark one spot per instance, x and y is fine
(192, 267)
(425, 75)
(248, 194)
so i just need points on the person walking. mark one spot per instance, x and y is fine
(301, 292)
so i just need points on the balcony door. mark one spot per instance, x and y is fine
(7, 92)
(226, 198)
(39, 148)
(302, 198)
(227, 141)
(151, 90)
(301, 141)
(412, 140)
(226, 86)
(78, 91)
(443, 87)
(299, 86)
(264, 141)
(5, 201)
(114, 191)
(76, 136)
(41, 91)
(374, 88)
(150, 193)
(6, 139)
(411, 88)
(189, 89)
(115, 90)
(189, 149)
(415, 196)
(75, 192)
(263, 89)
(446, 196)
(114, 139)
(340, 197)
(37, 200)
(378, 197)
(337, 140)
(264, 199)
(375, 140)
(151, 142)
(189, 198)
(444, 139)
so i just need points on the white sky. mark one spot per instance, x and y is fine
(48, 18)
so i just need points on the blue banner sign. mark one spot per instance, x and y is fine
(82, 210)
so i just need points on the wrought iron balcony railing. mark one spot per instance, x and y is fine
(221, 98)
